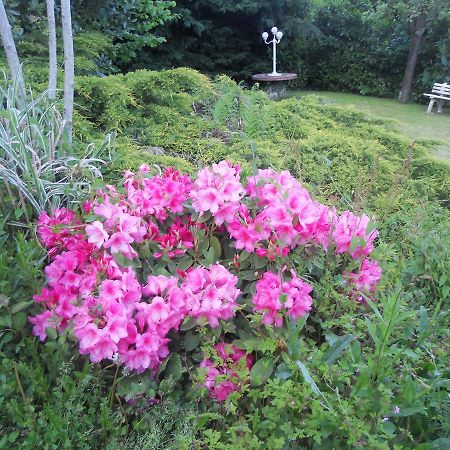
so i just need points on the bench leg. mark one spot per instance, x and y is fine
(430, 105)
(439, 106)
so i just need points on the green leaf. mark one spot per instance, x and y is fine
(206, 216)
(188, 324)
(262, 370)
(191, 341)
(135, 386)
(406, 411)
(174, 366)
(215, 244)
(283, 372)
(51, 333)
(249, 344)
(308, 378)
(20, 306)
(339, 346)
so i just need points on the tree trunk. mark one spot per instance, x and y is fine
(69, 68)
(11, 54)
(53, 69)
(418, 29)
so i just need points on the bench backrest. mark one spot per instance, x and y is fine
(441, 88)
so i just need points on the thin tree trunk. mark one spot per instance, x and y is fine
(418, 30)
(53, 69)
(11, 53)
(69, 68)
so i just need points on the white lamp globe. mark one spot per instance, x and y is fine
(279, 35)
(274, 30)
(265, 35)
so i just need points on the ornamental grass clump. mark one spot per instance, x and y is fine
(163, 254)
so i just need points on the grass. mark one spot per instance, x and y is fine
(410, 119)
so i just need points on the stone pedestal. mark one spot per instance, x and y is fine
(274, 85)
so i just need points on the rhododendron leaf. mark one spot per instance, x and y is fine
(204, 218)
(243, 256)
(217, 330)
(337, 348)
(262, 370)
(188, 324)
(20, 306)
(257, 262)
(215, 244)
(184, 263)
(90, 218)
(210, 257)
(122, 260)
(174, 367)
(191, 341)
(249, 275)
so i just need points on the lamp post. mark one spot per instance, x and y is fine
(277, 35)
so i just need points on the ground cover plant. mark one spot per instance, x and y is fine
(243, 352)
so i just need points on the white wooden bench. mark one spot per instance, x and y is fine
(439, 94)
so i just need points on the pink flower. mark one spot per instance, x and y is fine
(96, 233)
(274, 297)
(367, 279)
(40, 323)
(120, 243)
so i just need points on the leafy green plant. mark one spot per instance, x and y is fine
(38, 169)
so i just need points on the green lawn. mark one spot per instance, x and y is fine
(410, 119)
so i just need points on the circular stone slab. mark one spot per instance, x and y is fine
(280, 77)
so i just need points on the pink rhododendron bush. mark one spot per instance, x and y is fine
(168, 264)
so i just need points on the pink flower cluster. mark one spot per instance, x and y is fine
(366, 280)
(115, 315)
(219, 191)
(274, 297)
(282, 216)
(211, 293)
(224, 373)
(348, 227)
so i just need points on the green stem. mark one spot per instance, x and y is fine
(24, 397)
(113, 387)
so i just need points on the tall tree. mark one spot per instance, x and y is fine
(420, 14)
(69, 65)
(11, 53)
(53, 69)
(419, 24)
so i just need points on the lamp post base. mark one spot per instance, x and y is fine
(274, 83)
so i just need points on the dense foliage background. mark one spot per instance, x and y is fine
(346, 45)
